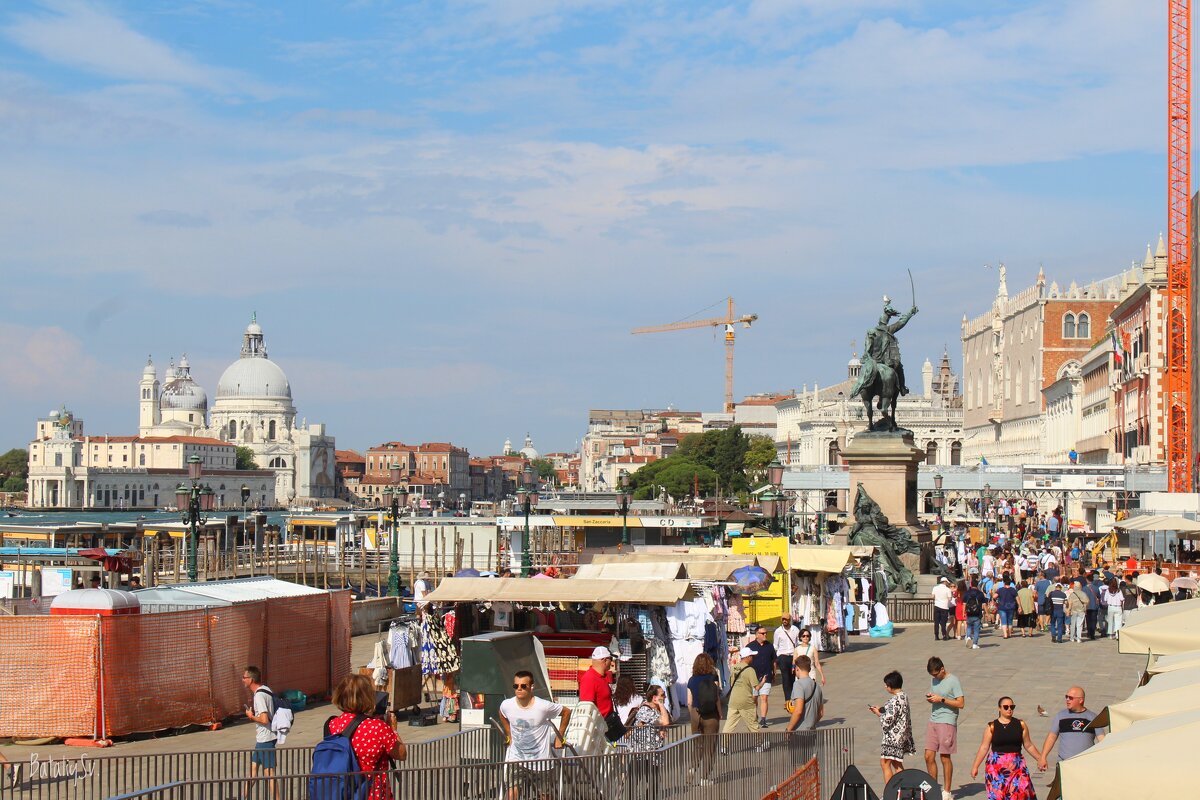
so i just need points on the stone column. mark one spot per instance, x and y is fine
(886, 465)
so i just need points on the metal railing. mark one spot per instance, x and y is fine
(905, 609)
(739, 766)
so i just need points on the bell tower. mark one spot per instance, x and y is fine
(149, 413)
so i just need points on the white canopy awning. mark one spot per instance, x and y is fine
(572, 590)
(1163, 629)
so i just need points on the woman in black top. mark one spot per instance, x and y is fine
(1007, 773)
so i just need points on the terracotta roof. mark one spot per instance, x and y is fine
(349, 457)
(765, 400)
(392, 446)
(441, 447)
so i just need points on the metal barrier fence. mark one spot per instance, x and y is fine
(904, 609)
(740, 766)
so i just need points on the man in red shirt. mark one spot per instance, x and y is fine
(1131, 563)
(593, 684)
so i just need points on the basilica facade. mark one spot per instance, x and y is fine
(252, 408)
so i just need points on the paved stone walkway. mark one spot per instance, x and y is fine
(1033, 671)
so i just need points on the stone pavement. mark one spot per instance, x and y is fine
(1033, 671)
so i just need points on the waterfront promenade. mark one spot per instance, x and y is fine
(1033, 671)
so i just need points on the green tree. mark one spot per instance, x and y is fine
(677, 475)
(245, 458)
(544, 470)
(14, 469)
(760, 453)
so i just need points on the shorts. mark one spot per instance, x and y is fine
(533, 782)
(1006, 616)
(765, 691)
(941, 738)
(264, 754)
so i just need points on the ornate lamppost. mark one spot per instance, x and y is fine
(939, 499)
(526, 497)
(195, 501)
(985, 511)
(398, 494)
(625, 497)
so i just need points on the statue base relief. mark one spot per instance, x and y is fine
(885, 463)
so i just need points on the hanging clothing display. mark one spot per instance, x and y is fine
(438, 654)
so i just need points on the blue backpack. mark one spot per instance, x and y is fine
(333, 758)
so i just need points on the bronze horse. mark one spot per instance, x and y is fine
(884, 390)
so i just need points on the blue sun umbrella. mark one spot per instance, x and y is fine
(751, 580)
(467, 573)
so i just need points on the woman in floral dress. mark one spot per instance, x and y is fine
(895, 719)
(1007, 775)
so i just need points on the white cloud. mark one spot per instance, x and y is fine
(84, 36)
(45, 362)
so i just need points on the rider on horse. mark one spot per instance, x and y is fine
(881, 347)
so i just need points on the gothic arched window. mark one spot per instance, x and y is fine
(956, 454)
(1083, 326)
(1068, 330)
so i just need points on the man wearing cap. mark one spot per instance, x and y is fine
(943, 595)
(742, 704)
(785, 640)
(593, 685)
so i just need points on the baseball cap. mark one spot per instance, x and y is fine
(945, 579)
(745, 652)
(601, 652)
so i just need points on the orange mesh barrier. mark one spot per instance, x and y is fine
(48, 676)
(298, 645)
(339, 636)
(804, 784)
(235, 641)
(151, 672)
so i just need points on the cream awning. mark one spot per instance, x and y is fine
(545, 590)
(1164, 694)
(1160, 522)
(1163, 629)
(652, 570)
(1178, 661)
(1151, 758)
(709, 555)
(819, 558)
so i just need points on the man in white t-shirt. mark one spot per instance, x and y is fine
(943, 595)
(526, 719)
(421, 588)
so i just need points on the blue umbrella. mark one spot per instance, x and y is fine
(751, 580)
(467, 573)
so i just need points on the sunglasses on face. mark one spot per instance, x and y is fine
(522, 685)
(1070, 697)
(1009, 708)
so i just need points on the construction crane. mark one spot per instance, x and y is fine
(729, 322)
(1178, 378)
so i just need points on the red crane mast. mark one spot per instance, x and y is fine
(1178, 384)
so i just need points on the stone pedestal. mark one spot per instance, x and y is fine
(886, 465)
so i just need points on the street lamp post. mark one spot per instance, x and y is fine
(985, 510)
(195, 501)
(526, 497)
(624, 509)
(245, 522)
(939, 499)
(398, 493)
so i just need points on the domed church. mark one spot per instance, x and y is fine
(252, 408)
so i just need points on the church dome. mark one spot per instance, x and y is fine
(181, 392)
(527, 451)
(254, 377)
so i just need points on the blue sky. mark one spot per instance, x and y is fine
(448, 216)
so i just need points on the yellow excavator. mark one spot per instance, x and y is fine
(1104, 549)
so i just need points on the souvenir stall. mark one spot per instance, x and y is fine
(836, 592)
(571, 616)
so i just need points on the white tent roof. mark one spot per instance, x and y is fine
(1165, 694)
(1151, 758)
(222, 593)
(1162, 629)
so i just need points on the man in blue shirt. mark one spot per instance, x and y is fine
(1042, 588)
(763, 665)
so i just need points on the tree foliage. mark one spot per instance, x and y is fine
(544, 470)
(245, 458)
(714, 458)
(14, 470)
(760, 454)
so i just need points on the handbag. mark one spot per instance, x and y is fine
(616, 728)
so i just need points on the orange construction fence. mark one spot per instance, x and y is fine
(804, 784)
(69, 676)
